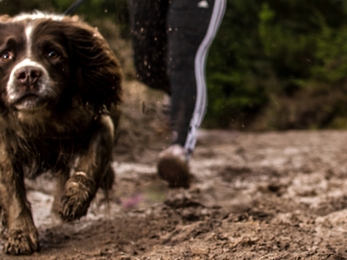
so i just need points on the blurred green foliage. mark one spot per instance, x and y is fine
(279, 64)
(274, 65)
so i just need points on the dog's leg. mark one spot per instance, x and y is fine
(62, 177)
(81, 187)
(108, 180)
(22, 235)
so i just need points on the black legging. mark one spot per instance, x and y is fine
(171, 40)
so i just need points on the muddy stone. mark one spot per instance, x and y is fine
(254, 196)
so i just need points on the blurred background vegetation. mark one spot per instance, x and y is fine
(274, 65)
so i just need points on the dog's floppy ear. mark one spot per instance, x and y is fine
(98, 75)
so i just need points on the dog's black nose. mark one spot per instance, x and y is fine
(28, 75)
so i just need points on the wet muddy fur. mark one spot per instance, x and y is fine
(53, 117)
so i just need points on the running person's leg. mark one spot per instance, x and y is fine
(176, 43)
(148, 29)
(191, 26)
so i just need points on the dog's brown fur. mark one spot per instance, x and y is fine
(68, 132)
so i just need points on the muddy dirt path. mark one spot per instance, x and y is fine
(255, 196)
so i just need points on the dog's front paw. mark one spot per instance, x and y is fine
(20, 242)
(79, 191)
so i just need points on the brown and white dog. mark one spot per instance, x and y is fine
(58, 78)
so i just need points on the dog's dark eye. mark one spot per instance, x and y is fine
(53, 55)
(5, 56)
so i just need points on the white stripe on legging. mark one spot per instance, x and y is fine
(200, 63)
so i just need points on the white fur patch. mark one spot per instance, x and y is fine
(37, 15)
(28, 33)
(81, 173)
